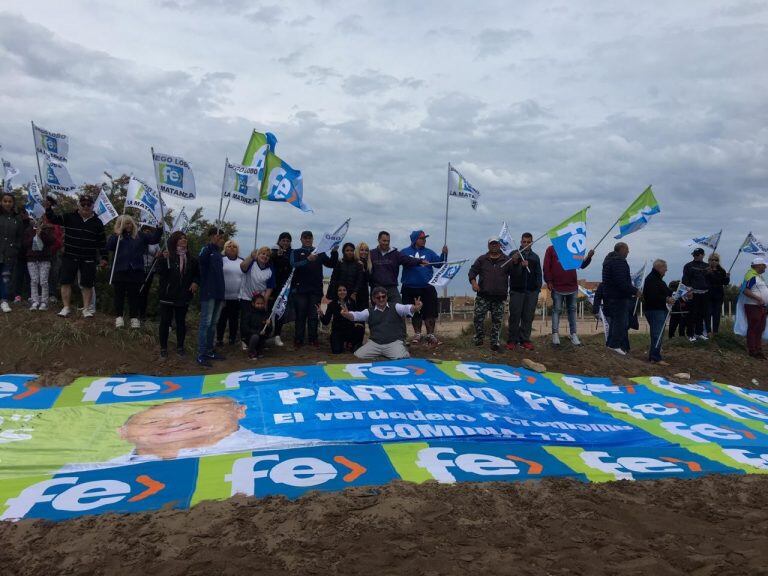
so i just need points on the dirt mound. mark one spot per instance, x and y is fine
(714, 525)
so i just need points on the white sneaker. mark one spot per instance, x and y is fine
(34, 306)
(88, 313)
(135, 323)
(244, 346)
(701, 337)
(64, 312)
(619, 351)
(43, 306)
(119, 322)
(4, 306)
(556, 339)
(278, 342)
(692, 339)
(575, 340)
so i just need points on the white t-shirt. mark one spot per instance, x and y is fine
(255, 280)
(233, 278)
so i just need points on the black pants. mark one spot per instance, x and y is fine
(144, 289)
(179, 315)
(618, 311)
(697, 312)
(678, 323)
(712, 321)
(347, 340)
(257, 341)
(230, 314)
(305, 307)
(131, 290)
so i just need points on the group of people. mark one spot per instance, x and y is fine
(378, 286)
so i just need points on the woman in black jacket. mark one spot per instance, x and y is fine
(179, 276)
(11, 234)
(346, 336)
(717, 279)
(363, 255)
(281, 263)
(348, 272)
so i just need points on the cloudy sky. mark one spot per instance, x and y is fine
(544, 106)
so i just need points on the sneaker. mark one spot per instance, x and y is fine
(253, 357)
(575, 340)
(34, 306)
(510, 346)
(88, 313)
(416, 338)
(119, 322)
(215, 356)
(204, 361)
(43, 306)
(432, 340)
(495, 347)
(244, 346)
(618, 351)
(527, 345)
(702, 337)
(17, 300)
(555, 339)
(135, 323)
(278, 342)
(692, 339)
(64, 312)
(4, 306)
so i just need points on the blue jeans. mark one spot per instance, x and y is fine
(656, 320)
(570, 302)
(210, 310)
(618, 310)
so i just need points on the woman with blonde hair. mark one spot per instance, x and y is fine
(362, 253)
(128, 246)
(259, 279)
(233, 280)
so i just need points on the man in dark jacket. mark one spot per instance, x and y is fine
(83, 243)
(524, 287)
(695, 278)
(211, 267)
(281, 262)
(656, 296)
(385, 267)
(491, 291)
(618, 297)
(307, 287)
(717, 280)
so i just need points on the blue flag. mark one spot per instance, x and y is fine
(283, 184)
(569, 239)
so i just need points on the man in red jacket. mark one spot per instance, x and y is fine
(564, 287)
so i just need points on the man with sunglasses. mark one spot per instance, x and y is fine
(83, 243)
(387, 331)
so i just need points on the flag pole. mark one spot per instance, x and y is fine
(37, 157)
(739, 252)
(447, 199)
(719, 235)
(606, 234)
(256, 231)
(637, 300)
(117, 246)
(223, 183)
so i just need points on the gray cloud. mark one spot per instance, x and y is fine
(495, 41)
(373, 81)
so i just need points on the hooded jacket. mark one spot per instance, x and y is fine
(617, 280)
(419, 276)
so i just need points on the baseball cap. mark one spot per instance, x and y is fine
(697, 251)
(307, 234)
(757, 261)
(494, 239)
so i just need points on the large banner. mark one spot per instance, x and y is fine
(131, 443)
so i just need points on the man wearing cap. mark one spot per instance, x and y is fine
(385, 266)
(307, 287)
(753, 301)
(415, 281)
(491, 289)
(83, 243)
(385, 325)
(695, 278)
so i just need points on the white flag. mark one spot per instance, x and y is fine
(638, 277)
(331, 240)
(51, 144)
(142, 196)
(104, 209)
(458, 186)
(34, 205)
(242, 183)
(505, 239)
(753, 245)
(708, 241)
(281, 302)
(57, 176)
(10, 174)
(174, 176)
(443, 275)
(181, 223)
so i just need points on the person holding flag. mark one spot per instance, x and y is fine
(38, 241)
(524, 286)
(751, 309)
(491, 290)
(385, 266)
(11, 235)
(618, 295)
(694, 276)
(415, 284)
(657, 298)
(281, 262)
(211, 266)
(717, 279)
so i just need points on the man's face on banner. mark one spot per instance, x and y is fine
(165, 429)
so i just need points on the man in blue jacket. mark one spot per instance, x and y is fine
(618, 297)
(211, 265)
(415, 281)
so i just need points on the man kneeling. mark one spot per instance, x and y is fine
(386, 326)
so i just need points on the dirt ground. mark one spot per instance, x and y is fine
(713, 525)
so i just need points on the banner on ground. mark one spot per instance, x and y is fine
(505, 240)
(706, 241)
(51, 144)
(143, 197)
(57, 176)
(104, 209)
(639, 213)
(174, 176)
(569, 239)
(34, 203)
(283, 184)
(332, 240)
(447, 272)
(458, 186)
(133, 443)
(242, 183)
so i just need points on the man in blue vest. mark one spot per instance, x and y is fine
(387, 331)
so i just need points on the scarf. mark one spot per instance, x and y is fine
(182, 254)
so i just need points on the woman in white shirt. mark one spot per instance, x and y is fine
(233, 281)
(259, 277)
